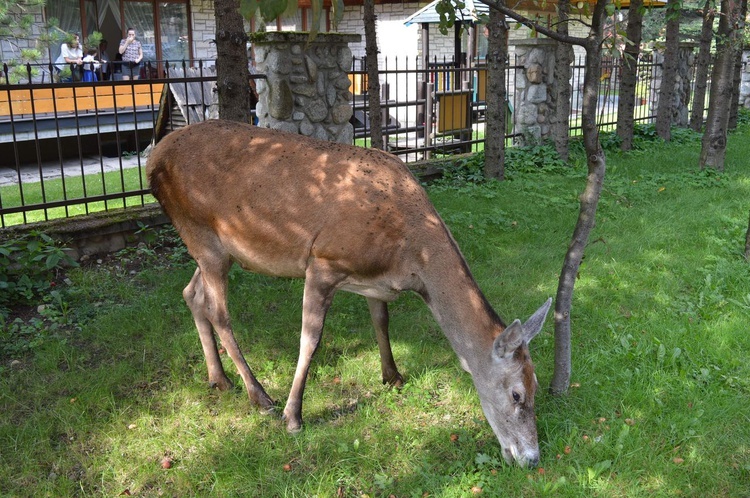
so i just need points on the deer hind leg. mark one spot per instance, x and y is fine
(213, 274)
(320, 287)
(196, 300)
(379, 315)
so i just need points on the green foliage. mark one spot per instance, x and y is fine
(270, 10)
(533, 158)
(524, 159)
(55, 319)
(28, 268)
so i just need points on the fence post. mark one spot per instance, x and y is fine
(534, 80)
(745, 79)
(307, 85)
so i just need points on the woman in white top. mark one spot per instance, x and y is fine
(71, 53)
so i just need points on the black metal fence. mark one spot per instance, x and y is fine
(73, 148)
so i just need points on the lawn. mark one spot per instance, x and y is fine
(109, 395)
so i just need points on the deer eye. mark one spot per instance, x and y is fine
(516, 397)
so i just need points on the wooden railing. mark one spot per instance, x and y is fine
(101, 97)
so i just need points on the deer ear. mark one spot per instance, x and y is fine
(509, 340)
(535, 322)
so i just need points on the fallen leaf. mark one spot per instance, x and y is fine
(476, 490)
(541, 471)
(568, 450)
(166, 463)
(678, 460)
(629, 421)
(132, 426)
(454, 438)
(287, 467)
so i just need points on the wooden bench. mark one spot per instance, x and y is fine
(80, 99)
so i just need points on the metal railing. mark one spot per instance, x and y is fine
(69, 148)
(75, 148)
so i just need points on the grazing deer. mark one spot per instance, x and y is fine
(342, 218)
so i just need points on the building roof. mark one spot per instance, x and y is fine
(473, 9)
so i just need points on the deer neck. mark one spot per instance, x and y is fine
(460, 308)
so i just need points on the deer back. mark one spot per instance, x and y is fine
(273, 200)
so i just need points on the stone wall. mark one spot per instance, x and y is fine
(682, 88)
(745, 81)
(307, 85)
(533, 88)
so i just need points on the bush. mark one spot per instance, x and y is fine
(28, 268)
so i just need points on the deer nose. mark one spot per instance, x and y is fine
(532, 462)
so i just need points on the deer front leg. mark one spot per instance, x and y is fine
(318, 294)
(214, 280)
(196, 301)
(379, 316)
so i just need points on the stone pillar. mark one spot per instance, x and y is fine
(307, 85)
(533, 88)
(745, 81)
(682, 88)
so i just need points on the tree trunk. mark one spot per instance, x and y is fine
(589, 202)
(494, 141)
(626, 102)
(665, 110)
(714, 142)
(373, 76)
(737, 79)
(701, 67)
(561, 89)
(232, 75)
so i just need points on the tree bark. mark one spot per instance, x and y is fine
(701, 67)
(497, 50)
(665, 110)
(373, 76)
(735, 103)
(714, 142)
(626, 102)
(589, 201)
(232, 75)
(561, 89)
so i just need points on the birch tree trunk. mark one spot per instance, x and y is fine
(701, 67)
(714, 142)
(232, 75)
(373, 76)
(665, 110)
(626, 102)
(497, 50)
(589, 201)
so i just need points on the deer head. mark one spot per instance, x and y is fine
(506, 384)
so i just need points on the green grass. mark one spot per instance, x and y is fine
(74, 188)
(661, 382)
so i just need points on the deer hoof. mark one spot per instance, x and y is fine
(222, 384)
(394, 380)
(293, 424)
